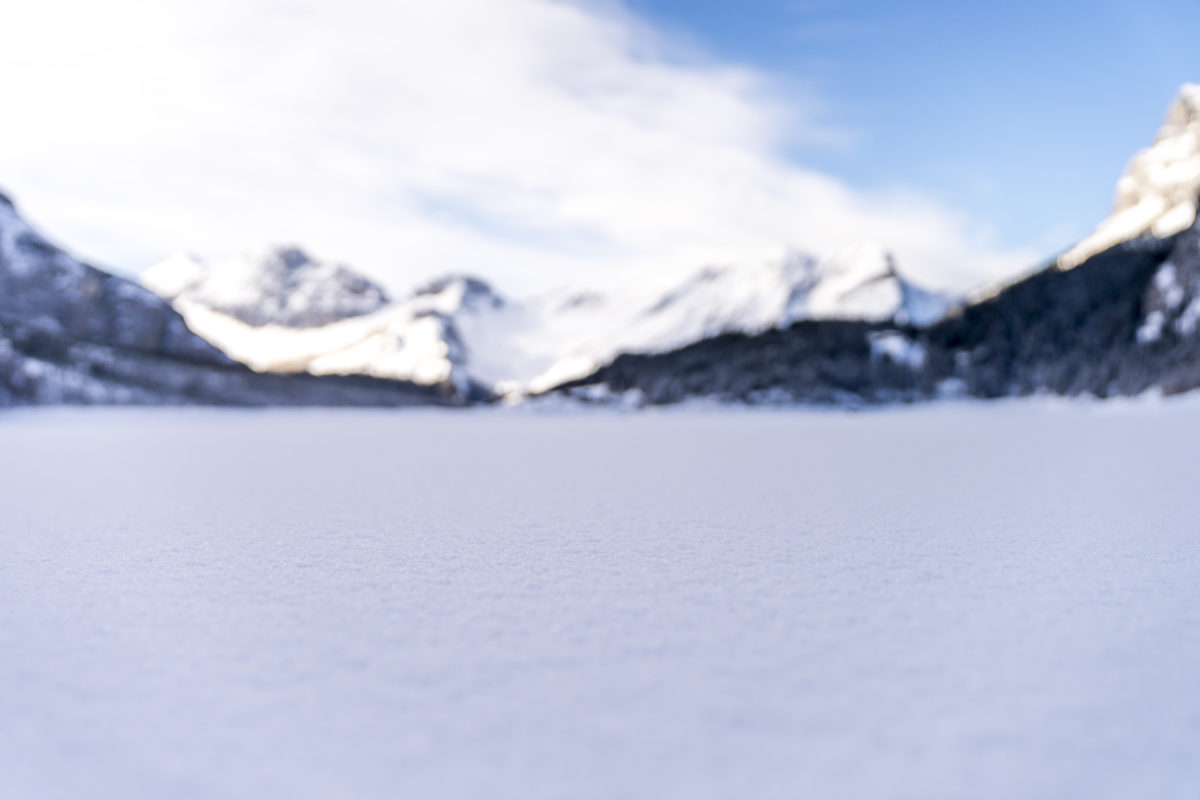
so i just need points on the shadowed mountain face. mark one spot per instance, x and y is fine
(43, 287)
(70, 333)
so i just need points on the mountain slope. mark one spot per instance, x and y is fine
(43, 286)
(1063, 332)
(70, 333)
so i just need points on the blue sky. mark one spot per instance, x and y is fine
(542, 143)
(1021, 113)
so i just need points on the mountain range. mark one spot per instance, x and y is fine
(283, 311)
(1115, 315)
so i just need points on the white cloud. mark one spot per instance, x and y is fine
(528, 141)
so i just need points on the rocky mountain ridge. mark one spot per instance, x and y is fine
(1157, 194)
(458, 332)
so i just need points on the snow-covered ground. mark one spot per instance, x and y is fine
(989, 601)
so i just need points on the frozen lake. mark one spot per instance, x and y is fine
(966, 601)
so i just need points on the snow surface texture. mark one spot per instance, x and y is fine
(1157, 194)
(458, 330)
(945, 602)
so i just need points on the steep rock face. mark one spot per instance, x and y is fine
(42, 286)
(1157, 194)
(1067, 333)
(70, 333)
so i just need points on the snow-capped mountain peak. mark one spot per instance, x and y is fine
(451, 294)
(1157, 194)
(854, 275)
(863, 282)
(719, 299)
(276, 286)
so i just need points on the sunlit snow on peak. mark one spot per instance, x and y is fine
(1157, 194)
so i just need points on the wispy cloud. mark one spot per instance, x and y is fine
(533, 142)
